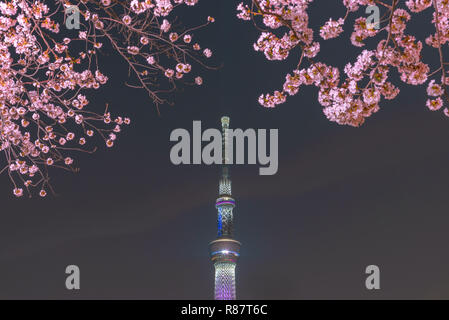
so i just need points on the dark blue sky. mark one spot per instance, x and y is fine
(343, 197)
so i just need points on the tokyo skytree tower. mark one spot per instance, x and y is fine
(224, 251)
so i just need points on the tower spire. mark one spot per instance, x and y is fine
(225, 250)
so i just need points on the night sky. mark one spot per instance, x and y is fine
(343, 197)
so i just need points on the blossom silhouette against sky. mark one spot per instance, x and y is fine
(349, 97)
(47, 73)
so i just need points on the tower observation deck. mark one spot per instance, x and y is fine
(224, 250)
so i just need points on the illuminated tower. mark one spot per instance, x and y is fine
(224, 251)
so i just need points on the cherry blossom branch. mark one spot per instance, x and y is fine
(440, 52)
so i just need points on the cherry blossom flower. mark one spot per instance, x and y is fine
(133, 50)
(18, 192)
(187, 38)
(331, 29)
(434, 104)
(173, 36)
(151, 60)
(165, 26)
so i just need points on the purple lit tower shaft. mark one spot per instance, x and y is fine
(224, 251)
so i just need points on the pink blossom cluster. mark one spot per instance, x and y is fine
(350, 96)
